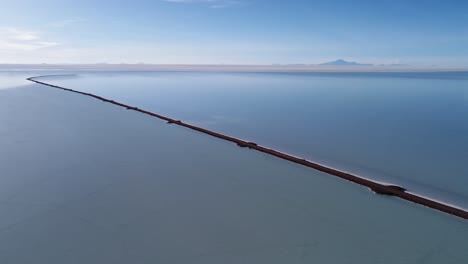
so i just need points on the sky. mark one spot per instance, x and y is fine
(415, 32)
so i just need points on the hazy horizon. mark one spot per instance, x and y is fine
(234, 32)
(76, 68)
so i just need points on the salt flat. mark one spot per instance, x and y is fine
(87, 182)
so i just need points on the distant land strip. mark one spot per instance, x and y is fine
(231, 68)
(391, 190)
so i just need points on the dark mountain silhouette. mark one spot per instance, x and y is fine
(344, 63)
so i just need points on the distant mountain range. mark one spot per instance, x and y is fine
(352, 63)
(344, 63)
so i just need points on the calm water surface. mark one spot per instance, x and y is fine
(15, 78)
(403, 128)
(87, 182)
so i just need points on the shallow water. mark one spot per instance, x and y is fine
(402, 128)
(16, 78)
(84, 181)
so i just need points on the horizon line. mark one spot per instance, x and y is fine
(227, 67)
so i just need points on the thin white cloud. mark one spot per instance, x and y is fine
(15, 39)
(19, 35)
(66, 22)
(211, 3)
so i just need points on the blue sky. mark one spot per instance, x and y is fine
(413, 32)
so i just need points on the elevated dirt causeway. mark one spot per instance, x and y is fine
(378, 188)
